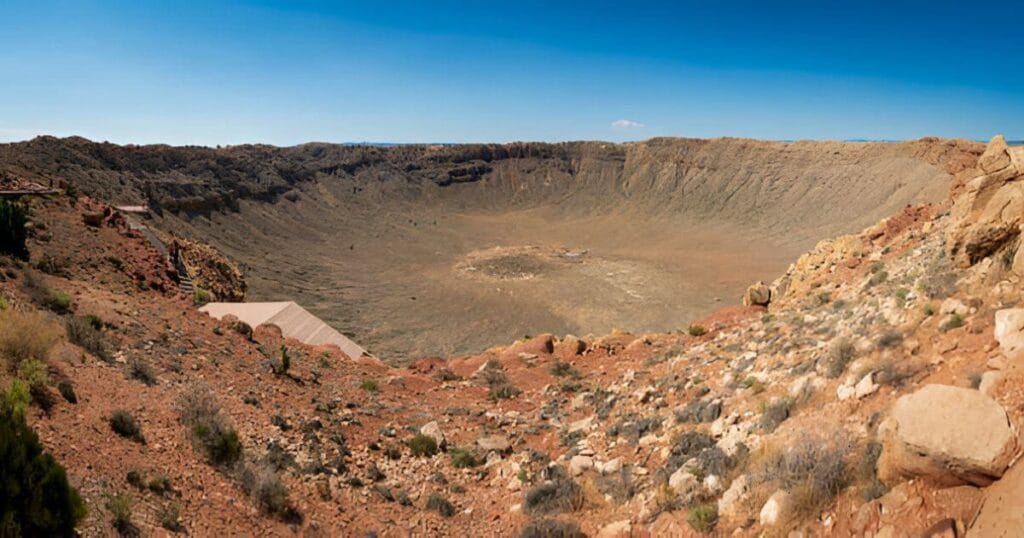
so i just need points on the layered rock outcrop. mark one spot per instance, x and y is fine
(989, 213)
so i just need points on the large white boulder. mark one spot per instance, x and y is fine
(1009, 331)
(777, 510)
(730, 502)
(684, 483)
(580, 464)
(950, 435)
(432, 430)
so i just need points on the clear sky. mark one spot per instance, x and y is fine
(226, 72)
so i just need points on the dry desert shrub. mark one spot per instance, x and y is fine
(812, 467)
(125, 425)
(26, 335)
(840, 353)
(554, 497)
(551, 528)
(85, 333)
(211, 432)
(268, 491)
(439, 504)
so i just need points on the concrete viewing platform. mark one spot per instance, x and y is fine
(293, 320)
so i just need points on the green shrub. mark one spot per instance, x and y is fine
(82, 332)
(439, 504)
(696, 330)
(268, 491)
(34, 373)
(125, 425)
(462, 458)
(51, 266)
(554, 497)
(58, 301)
(67, 391)
(242, 328)
(13, 217)
(889, 339)
(169, 517)
(159, 484)
(369, 385)
(954, 321)
(839, 355)
(37, 376)
(16, 398)
(284, 361)
(134, 478)
(446, 374)
(35, 496)
(564, 369)
(142, 371)
(210, 431)
(200, 296)
(503, 391)
(703, 517)
(120, 506)
(118, 263)
(552, 528)
(423, 445)
(94, 321)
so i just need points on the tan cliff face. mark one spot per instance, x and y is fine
(990, 210)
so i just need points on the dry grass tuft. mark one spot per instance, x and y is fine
(26, 335)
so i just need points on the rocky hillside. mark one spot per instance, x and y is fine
(872, 388)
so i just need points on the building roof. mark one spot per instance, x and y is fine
(293, 320)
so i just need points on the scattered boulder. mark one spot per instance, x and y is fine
(495, 443)
(777, 509)
(580, 464)
(950, 435)
(684, 483)
(1009, 331)
(616, 529)
(582, 424)
(432, 430)
(989, 380)
(611, 466)
(865, 387)
(996, 156)
(953, 306)
(570, 346)
(538, 345)
(758, 294)
(731, 501)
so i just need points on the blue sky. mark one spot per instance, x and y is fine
(413, 71)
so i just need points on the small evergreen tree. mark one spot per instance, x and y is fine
(35, 497)
(12, 229)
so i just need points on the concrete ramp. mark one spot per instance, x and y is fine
(293, 320)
